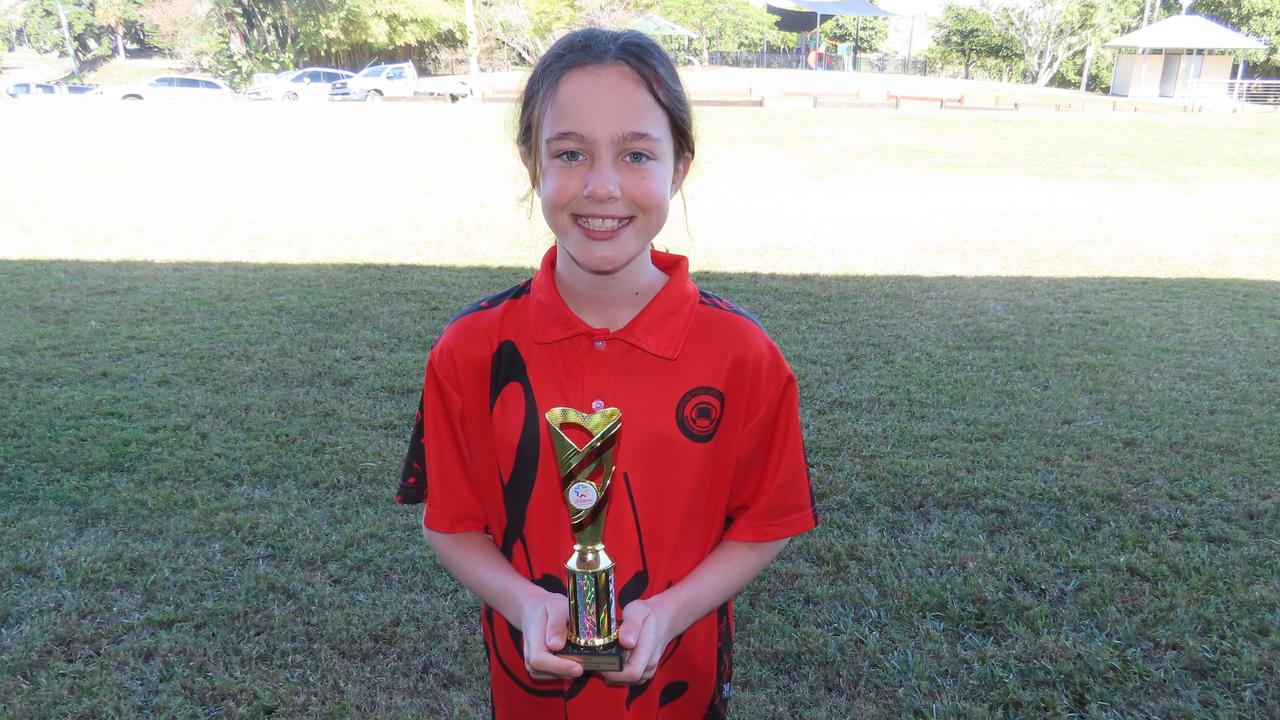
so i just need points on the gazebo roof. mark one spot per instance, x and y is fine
(1186, 32)
(658, 26)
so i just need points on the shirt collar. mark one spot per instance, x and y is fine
(659, 329)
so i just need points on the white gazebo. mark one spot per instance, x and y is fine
(658, 26)
(1165, 59)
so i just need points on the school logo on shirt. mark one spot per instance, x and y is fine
(698, 413)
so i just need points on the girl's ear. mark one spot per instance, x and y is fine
(530, 167)
(679, 172)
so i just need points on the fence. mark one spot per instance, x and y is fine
(864, 62)
(1264, 94)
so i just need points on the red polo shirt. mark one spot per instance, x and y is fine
(710, 448)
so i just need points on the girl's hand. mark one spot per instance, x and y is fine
(643, 637)
(544, 624)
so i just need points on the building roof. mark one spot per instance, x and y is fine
(658, 26)
(1186, 32)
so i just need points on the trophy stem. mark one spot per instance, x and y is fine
(592, 614)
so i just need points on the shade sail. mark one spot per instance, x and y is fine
(1186, 32)
(814, 10)
(796, 21)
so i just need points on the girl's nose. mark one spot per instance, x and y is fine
(602, 183)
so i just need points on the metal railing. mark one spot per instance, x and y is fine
(866, 62)
(1243, 94)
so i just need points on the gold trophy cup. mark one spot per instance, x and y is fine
(585, 474)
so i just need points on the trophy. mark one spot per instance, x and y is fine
(585, 473)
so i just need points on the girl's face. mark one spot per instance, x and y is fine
(609, 168)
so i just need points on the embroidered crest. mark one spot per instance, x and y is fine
(698, 413)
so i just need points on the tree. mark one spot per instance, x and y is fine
(614, 14)
(11, 16)
(1114, 18)
(731, 24)
(257, 35)
(967, 35)
(866, 33)
(184, 28)
(1050, 31)
(113, 14)
(528, 27)
(1087, 71)
(44, 27)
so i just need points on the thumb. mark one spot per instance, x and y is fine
(634, 617)
(555, 631)
(555, 639)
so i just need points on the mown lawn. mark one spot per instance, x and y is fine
(781, 189)
(1042, 497)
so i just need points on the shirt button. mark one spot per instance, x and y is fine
(599, 344)
(597, 405)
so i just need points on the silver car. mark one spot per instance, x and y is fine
(28, 90)
(376, 82)
(175, 87)
(311, 83)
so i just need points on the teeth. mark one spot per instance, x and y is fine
(595, 223)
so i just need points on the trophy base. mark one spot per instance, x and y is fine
(607, 658)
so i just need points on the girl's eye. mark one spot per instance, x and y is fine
(571, 156)
(635, 156)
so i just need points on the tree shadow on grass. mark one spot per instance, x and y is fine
(1038, 495)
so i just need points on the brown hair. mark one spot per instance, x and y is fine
(593, 46)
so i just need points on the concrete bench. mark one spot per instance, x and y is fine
(852, 103)
(989, 108)
(726, 102)
(940, 101)
(419, 98)
(1056, 107)
(856, 94)
(499, 97)
(1117, 106)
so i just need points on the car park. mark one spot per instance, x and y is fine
(376, 82)
(311, 83)
(174, 87)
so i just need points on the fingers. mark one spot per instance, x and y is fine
(639, 639)
(546, 666)
(542, 637)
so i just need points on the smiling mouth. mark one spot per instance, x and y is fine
(601, 223)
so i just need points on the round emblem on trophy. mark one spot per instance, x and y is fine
(583, 495)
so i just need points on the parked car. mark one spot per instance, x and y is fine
(175, 87)
(28, 90)
(453, 87)
(376, 82)
(311, 83)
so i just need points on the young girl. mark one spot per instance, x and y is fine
(710, 477)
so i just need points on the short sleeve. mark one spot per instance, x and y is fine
(452, 503)
(771, 497)
(413, 477)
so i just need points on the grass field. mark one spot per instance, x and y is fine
(1044, 432)
(785, 189)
